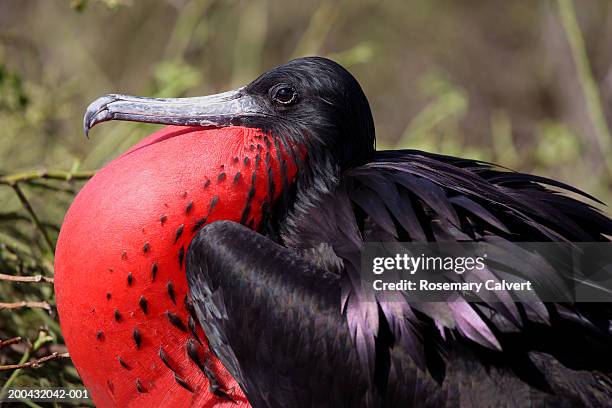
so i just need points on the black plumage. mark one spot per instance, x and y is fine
(284, 307)
(288, 317)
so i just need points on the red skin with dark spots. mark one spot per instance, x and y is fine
(125, 220)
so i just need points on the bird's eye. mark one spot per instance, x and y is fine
(285, 96)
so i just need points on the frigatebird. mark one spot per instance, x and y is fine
(262, 199)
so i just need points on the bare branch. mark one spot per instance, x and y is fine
(8, 342)
(12, 179)
(23, 303)
(35, 278)
(34, 363)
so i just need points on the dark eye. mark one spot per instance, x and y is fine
(285, 95)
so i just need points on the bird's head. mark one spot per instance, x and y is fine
(120, 283)
(310, 101)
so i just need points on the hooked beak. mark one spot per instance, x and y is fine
(225, 109)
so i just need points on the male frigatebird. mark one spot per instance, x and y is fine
(215, 262)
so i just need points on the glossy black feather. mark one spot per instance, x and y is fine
(289, 326)
(455, 202)
(288, 315)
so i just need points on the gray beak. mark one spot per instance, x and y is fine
(224, 109)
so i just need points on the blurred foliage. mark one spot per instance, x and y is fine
(12, 95)
(523, 84)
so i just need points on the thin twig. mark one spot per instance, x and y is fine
(43, 338)
(24, 303)
(8, 342)
(26, 204)
(12, 179)
(35, 278)
(35, 363)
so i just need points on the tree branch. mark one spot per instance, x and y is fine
(8, 342)
(12, 179)
(35, 363)
(43, 338)
(35, 278)
(23, 303)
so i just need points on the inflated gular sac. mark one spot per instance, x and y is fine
(120, 264)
